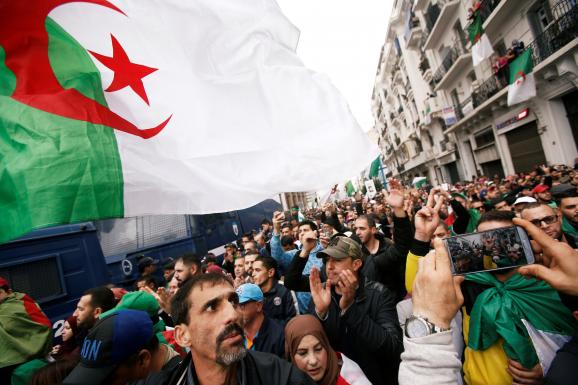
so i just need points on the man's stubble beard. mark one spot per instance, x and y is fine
(236, 353)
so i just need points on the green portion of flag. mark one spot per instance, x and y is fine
(475, 29)
(521, 66)
(349, 188)
(55, 170)
(374, 168)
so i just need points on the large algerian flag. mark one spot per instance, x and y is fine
(481, 46)
(124, 108)
(374, 168)
(522, 83)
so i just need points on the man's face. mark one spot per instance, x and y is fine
(341, 218)
(249, 311)
(214, 333)
(305, 231)
(244, 240)
(85, 314)
(260, 273)
(249, 259)
(502, 206)
(260, 239)
(265, 227)
(546, 219)
(569, 208)
(167, 273)
(251, 247)
(441, 232)
(363, 231)
(295, 232)
(545, 196)
(334, 266)
(182, 272)
(173, 286)
(285, 231)
(239, 267)
(150, 269)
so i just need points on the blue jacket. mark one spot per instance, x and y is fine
(284, 259)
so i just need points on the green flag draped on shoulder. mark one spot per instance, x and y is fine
(481, 46)
(117, 109)
(498, 313)
(522, 83)
(25, 332)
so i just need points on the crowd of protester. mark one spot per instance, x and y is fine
(355, 291)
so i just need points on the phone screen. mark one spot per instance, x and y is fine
(497, 249)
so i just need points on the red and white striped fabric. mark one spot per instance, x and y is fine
(351, 373)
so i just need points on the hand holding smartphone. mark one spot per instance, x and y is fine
(491, 250)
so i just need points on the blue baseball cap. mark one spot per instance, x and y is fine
(109, 343)
(249, 292)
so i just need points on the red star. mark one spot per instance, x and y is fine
(126, 73)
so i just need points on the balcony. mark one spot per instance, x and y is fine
(559, 33)
(441, 23)
(454, 64)
(415, 33)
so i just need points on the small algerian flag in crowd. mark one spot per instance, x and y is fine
(349, 188)
(481, 46)
(374, 168)
(522, 83)
(120, 108)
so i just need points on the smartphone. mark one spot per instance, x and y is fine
(490, 250)
(445, 186)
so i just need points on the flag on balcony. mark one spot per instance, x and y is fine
(522, 83)
(481, 46)
(374, 168)
(349, 188)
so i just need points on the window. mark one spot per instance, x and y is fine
(127, 235)
(484, 138)
(40, 279)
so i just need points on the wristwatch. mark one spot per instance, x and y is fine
(417, 326)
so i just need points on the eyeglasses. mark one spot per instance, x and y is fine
(547, 220)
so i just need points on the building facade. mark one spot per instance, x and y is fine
(439, 116)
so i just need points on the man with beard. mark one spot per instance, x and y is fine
(91, 305)
(544, 217)
(187, 266)
(206, 316)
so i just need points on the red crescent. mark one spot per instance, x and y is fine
(25, 42)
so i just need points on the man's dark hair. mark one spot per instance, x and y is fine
(534, 205)
(266, 221)
(180, 304)
(370, 220)
(248, 235)
(148, 280)
(285, 224)
(101, 297)
(190, 259)
(269, 263)
(287, 240)
(152, 346)
(169, 266)
(497, 216)
(311, 224)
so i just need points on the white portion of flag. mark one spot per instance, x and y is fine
(523, 89)
(248, 119)
(546, 344)
(482, 50)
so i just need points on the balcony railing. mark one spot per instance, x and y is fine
(486, 9)
(447, 63)
(559, 33)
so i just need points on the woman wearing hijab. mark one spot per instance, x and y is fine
(69, 347)
(307, 347)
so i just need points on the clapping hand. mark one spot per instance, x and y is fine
(321, 295)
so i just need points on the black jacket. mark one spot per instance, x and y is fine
(279, 304)
(271, 338)
(368, 332)
(387, 265)
(255, 369)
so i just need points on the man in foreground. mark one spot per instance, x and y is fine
(205, 311)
